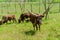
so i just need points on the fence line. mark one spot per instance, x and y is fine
(31, 5)
(30, 2)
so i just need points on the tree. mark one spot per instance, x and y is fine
(47, 9)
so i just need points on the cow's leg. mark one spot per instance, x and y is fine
(39, 26)
(15, 20)
(6, 20)
(9, 20)
(19, 20)
(36, 27)
(22, 19)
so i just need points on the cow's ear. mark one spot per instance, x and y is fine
(42, 16)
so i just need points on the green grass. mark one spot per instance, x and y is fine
(50, 29)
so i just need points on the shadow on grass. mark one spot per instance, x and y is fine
(8, 23)
(31, 32)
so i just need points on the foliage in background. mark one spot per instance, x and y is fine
(26, 0)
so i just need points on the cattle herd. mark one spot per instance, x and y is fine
(34, 18)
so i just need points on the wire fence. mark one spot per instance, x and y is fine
(20, 7)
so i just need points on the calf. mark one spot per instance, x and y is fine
(9, 18)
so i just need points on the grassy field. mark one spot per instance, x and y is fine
(50, 29)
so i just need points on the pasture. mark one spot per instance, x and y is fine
(50, 29)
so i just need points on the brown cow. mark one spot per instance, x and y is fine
(24, 16)
(9, 18)
(36, 20)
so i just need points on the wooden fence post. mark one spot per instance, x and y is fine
(1, 9)
(39, 6)
(31, 6)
